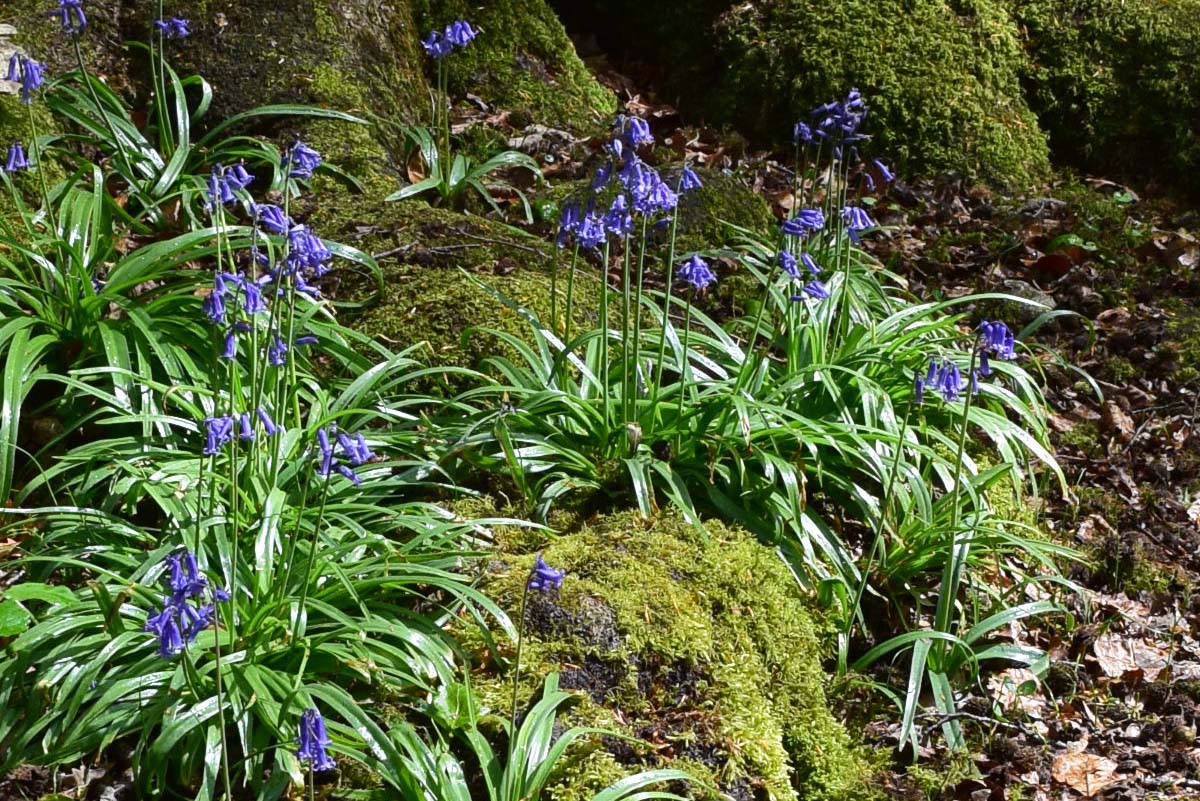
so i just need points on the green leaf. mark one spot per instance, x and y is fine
(13, 618)
(34, 591)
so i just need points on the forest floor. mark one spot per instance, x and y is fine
(1116, 715)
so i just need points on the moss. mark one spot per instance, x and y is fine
(426, 298)
(1116, 83)
(522, 60)
(701, 645)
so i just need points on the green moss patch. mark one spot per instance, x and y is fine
(522, 60)
(700, 646)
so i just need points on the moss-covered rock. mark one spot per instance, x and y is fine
(1116, 83)
(700, 646)
(426, 298)
(941, 75)
(522, 60)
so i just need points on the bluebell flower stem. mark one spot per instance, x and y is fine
(35, 157)
(221, 687)
(312, 557)
(637, 325)
(669, 269)
(625, 292)
(570, 295)
(605, 389)
(685, 363)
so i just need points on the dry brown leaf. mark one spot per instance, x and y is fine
(1118, 655)
(1084, 773)
(1116, 420)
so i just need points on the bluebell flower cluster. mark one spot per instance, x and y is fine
(946, 379)
(219, 431)
(696, 272)
(223, 182)
(856, 220)
(313, 741)
(300, 160)
(439, 44)
(173, 28)
(997, 339)
(638, 189)
(815, 290)
(16, 158)
(355, 450)
(543, 577)
(70, 14)
(28, 73)
(805, 223)
(838, 121)
(188, 610)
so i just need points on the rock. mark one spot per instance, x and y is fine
(1114, 83)
(942, 77)
(715, 658)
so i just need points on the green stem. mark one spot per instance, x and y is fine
(570, 296)
(683, 370)
(517, 666)
(35, 155)
(637, 325)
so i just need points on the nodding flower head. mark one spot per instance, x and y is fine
(272, 218)
(218, 434)
(618, 221)
(801, 134)
(238, 177)
(16, 158)
(998, 339)
(918, 387)
(313, 741)
(301, 160)
(636, 131)
(838, 121)
(787, 263)
(543, 577)
(70, 14)
(219, 190)
(688, 180)
(173, 28)
(807, 221)
(695, 271)
(815, 290)
(810, 265)
(436, 46)
(568, 224)
(459, 33)
(948, 381)
(591, 233)
(884, 173)
(28, 73)
(856, 220)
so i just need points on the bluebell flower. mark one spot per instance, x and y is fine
(618, 221)
(918, 387)
(268, 423)
(884, 173)
(173, 28)
(70, 14)
(301, 160)
(816, 290)
(838, 122)
(787, 262)
(16, 158)
(856, 219)
(307, 250)
(688, 180)
(807, 221)
(230, 351)
(28, 73)
(543, 577)
(306, 339)
(218, 433)
(350, 474)
(247, 428)
(568, 224)
(591, 232)
(436, 46)
(948, 381)
(460, 33)
(602, 177)
(219, 191)
(636, 130)
(214, 307)
(801, 134)
(165, 626)
(313, 741)
(974, 386)
(238, 177)
(252, 296)
(696, 272)
(277, 352)
(985, 366)
(998, 339)
(184, 576)
(323, 441)
(811, 265)
(272, 218)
